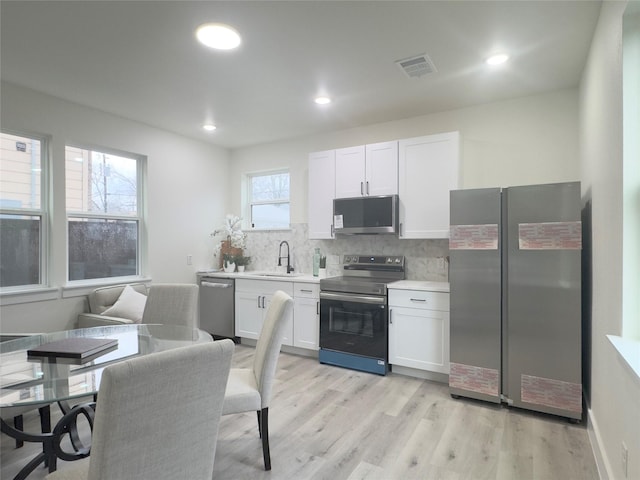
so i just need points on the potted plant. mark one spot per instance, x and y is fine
(241, 261)
(228, 262)
(322, 273)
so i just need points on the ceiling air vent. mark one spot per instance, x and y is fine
(416, 66)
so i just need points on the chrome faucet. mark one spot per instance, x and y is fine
(280, 257)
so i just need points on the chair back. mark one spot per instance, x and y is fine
(269, 343)
(157, 416)
(172, 304)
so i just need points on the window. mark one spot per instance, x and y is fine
(103, 198)
(269, 200)
(22, 211)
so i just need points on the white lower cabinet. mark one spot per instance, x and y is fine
(251, 300)
(419, 330)
(306, 315)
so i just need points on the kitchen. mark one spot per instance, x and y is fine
(526, 140)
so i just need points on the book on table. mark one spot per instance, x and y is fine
(79, 348)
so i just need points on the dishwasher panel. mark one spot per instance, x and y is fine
(217, 312)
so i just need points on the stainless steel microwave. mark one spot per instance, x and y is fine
(366, 215)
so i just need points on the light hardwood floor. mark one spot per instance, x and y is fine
(332, 423)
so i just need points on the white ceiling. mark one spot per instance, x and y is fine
(140, 60)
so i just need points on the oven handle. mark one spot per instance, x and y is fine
(346, 297)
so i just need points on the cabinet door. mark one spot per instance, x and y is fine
(249, 314)
(419, 339)
(350, 167)
(428, 170)
(381, 168)
(322, 191)
(307, 323)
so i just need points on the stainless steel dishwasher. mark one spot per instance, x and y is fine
(217, 312)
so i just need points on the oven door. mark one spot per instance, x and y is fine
(355, 324)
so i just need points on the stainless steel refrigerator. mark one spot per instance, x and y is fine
(515, 274)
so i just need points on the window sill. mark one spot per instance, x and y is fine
(629, 352)
(37, 294)
(85, 287)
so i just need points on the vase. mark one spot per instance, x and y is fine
(240, 268)
(322, 273)
(229, 267)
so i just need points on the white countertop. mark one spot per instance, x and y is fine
(259, 275)
(424, 286)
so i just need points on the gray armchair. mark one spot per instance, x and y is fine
(157, 416)
(166, 303)
(102, 299)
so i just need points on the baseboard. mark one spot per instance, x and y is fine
(423, 374)
(602, 462)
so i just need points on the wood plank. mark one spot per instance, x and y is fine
(332, 423)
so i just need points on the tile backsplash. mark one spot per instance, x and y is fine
(424, 259)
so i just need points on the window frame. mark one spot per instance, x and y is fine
(44, 212)
(249, 203)
(140, 218)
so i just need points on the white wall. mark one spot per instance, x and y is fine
(186, 191)
(615, 390)
(522, 141)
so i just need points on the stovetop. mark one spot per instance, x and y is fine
(366, 274)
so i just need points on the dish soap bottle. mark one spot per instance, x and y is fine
(316, 262)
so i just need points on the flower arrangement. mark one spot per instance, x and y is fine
(231, 229)
(234, 238)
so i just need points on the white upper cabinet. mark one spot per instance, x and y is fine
(428, 169)
(367, 170)
(350, 165)
(322, 190)
(382, 168)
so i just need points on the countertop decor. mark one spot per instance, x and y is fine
(233, 242)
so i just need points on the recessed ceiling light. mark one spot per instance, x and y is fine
(218, 36)
(497, 59)
(209, 127)
(322, 100)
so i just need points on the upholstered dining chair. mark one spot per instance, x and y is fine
(157, 416)
(249, 389)
(172, 304)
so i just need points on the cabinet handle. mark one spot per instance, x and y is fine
(390, 317)
(317, 308)
(367, 188)
(361, 188)
(332, 231)
(258, 301)
(305, 290)
(400, 230)
(263, 299)
(418, 299)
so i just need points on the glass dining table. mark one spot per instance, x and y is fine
(28, 381)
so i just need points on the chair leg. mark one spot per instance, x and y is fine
(18, 424)
(259, 424)
(264, 426)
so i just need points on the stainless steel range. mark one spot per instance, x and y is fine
(354, 312)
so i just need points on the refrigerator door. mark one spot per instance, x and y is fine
(542, 327)
(475, 293)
